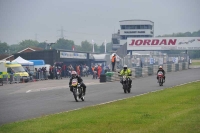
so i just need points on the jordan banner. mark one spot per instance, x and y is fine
(164, 43)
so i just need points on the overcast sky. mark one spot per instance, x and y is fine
(91, 19)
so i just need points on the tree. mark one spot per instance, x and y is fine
(15, 48)
(102, 48)
(86, 46)
(63, 44)
(3, 47)
(43, 45)
(28, 43)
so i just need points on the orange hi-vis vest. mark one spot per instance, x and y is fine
(113, 58)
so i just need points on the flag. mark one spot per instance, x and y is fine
(105, 45)
(73, 47)
(93, 46)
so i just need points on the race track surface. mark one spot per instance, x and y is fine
(35, 99)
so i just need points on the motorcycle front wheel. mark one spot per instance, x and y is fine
(125, 88)
(75, 96)
(160, 81)
(82, 98)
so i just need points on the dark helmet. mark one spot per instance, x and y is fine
(74, 74)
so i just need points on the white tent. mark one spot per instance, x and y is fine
(22, 61)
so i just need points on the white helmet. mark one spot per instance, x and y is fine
(125, 66)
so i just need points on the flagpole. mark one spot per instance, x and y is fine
(105, 46)
(93, 46)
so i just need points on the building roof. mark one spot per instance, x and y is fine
(136, 20)
(4, 56)
(31, 48)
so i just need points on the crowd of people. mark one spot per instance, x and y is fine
(59, 71)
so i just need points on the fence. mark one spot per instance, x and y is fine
(150, 60)
(147, 71)
(10, 78)
(39, 76)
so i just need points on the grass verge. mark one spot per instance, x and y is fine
(195, 63)
(174, 110)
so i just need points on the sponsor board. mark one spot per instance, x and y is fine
(73, 55)
(164, 43)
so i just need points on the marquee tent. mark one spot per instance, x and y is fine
(22, 61)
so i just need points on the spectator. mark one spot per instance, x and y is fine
(113, 60)
(99, 71)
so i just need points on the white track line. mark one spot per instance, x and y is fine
(28, 91)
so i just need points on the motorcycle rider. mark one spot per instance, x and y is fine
(80, 80)
(160, 69)
(127, 72)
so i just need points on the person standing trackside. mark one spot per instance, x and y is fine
(113, 60)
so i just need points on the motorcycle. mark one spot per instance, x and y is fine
(77, 90)
(160, 78)
(125, 83)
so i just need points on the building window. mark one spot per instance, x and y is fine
(122, 26)
(136, 27)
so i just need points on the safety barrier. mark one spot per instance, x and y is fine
(180, 66)
(40, 76)
(15, 78)
(10, 78)
(147, 70)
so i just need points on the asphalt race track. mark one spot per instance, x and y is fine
(35, 99)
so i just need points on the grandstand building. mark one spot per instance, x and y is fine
(133, 29)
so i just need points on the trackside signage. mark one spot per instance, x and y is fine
(167, 43)
(73, 55)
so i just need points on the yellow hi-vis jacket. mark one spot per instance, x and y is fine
(127, 72)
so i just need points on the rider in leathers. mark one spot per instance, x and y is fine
(80, 80)
(163, 71)
(127, 72)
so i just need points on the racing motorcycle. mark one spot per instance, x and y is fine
(160, 78)
(125, 83)
(77, 90)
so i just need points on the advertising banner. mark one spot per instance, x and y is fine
(73, 55)
(164, 43)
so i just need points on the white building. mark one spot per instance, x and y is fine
(133, 29)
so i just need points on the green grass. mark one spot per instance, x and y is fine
(195, 63)
(172, 110)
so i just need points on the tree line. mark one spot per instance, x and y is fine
(59, 44)
(86, 46)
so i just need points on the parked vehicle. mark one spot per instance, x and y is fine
(8, 68)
